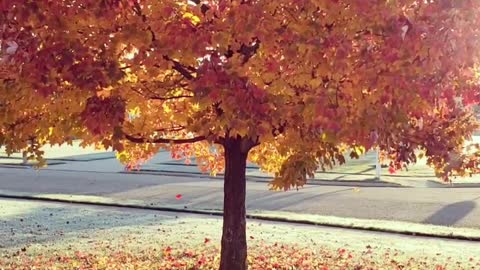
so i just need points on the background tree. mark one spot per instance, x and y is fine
(289, 85)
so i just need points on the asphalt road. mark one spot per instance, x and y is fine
(440, 206)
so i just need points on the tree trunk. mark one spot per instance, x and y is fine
(234, 240)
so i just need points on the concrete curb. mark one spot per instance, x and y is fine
(466, 184)
(397, 227)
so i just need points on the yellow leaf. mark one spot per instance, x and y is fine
(166, 108)
(359, 150)
(193, 18)
(135, 111)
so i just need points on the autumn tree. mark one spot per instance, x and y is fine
(291, 85)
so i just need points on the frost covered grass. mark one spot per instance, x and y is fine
(38, 235)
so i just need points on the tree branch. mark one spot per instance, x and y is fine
(249, 51)
(163, 140)
(169, 98)
(246, 50)
(138, 11)
(179, 128)
(157, 97)
(185, 71)
(25, 120)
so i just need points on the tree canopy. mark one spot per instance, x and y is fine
(305, 80)
(293, 84)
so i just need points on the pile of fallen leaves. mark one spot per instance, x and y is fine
(261, 257)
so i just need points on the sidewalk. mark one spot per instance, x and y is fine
(72, 152)
(76, 158)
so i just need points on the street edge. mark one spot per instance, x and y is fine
(283, 217)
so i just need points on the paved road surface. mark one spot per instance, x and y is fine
(442, 206)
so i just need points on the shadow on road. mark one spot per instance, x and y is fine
(452, 213)
(276, 201)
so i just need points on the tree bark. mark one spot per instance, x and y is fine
(234, 240)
